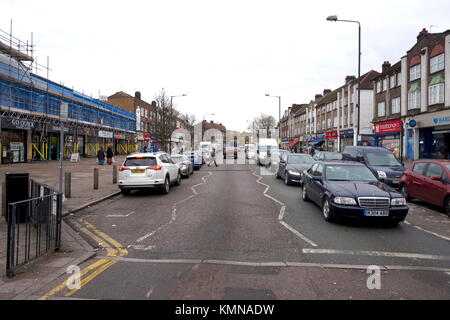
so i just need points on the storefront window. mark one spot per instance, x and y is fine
(12, 146)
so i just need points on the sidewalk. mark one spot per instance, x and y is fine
(74, 250)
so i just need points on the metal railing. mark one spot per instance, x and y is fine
(34, 226)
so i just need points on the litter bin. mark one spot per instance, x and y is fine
(17, 189)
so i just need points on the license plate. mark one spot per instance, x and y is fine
(138, 171)
(376, 213)
(395, 181)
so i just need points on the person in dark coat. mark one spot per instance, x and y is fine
(109, 155)
(101, 156)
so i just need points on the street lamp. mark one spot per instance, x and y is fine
(335, 19)
(279, 114)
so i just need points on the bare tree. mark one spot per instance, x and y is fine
(263, 122)
(165, 122)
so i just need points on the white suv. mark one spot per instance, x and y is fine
(148, 170)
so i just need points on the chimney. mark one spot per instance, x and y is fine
(326, 91)
(211, 121)
(385, 66)
(349, 79)
(137, 95)
(422, 33)
(318, 96)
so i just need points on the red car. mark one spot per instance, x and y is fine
(428, 180)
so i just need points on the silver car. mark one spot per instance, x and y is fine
(185, 165)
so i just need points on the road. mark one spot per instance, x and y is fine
(236, 232)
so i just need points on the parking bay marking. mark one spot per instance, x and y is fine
(120, 215)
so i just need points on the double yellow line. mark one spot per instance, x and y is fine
(112, 247)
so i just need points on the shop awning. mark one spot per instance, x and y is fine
(293, 143)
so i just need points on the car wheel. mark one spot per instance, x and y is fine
(166, 186)
(286, 179)
(304, 193)
(125, 192)
(277, 175)
(178, 182)
(447, 206)
(404, 191)
(326, 211)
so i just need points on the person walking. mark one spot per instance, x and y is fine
(101, 156)
(213, 158)
(109, 156)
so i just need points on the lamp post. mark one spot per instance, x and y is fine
(279, 115)
(170, 117)
(335, 19)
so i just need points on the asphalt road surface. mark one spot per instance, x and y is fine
(236, 232)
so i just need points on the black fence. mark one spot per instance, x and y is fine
(34, 226)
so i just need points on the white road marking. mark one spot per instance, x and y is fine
(173, 215)
(140, 247)
(149, 293)
(120, 215)
(431, 232)
(292, 264)
(377, 254)
(282, 211)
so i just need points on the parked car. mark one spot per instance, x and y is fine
(185, 165)
(350, 189)
(429, 181)
(148, 170)
(275, 157)
(327, 155)
(197, 161)
(263, 150)
(380, 161)
(230, 152)
(292, 165)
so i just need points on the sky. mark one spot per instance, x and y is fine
(224, 55)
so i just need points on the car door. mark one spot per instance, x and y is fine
(416, 180)
(169, 165)
(316, 187)
(308, 177)
(434, 191)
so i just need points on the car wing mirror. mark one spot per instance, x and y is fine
(317, 178)
(437, 178)
(360, 159)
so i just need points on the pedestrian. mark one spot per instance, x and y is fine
(101, 156)
(145, 149)
(109, 156)
(213, 158)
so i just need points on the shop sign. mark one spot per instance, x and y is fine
(388, 126)
(346, 134)
(105, 134)
(285, 139)
(87, 131)
(331, 135)
(147, 136)
(21, 124)
(307, 137)
(121, 136)
(56, 128)
(441, 120)
(140, 136)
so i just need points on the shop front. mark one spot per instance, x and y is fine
(331, 141)
(13, 139)
(345, 139)
(434, 135)
(388, 135)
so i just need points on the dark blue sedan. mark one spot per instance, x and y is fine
(350, 189)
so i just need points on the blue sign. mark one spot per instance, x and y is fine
(412, 123)
(441, 120)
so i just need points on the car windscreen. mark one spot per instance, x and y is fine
(348, 173)
(385, 159)
(332, 156)
(140, 162)
(266, 148)
(177, 159)
(300, 159)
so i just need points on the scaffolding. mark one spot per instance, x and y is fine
(26, 93)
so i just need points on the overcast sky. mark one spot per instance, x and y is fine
(225, 55)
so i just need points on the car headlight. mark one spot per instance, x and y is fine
(398, 202)
(294, 173)
(381, 174)
(344, 200)
(183, 167)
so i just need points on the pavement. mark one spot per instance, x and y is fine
(236, 232)
(74, 249)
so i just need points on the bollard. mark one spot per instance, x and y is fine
(95, 178)
(68, 184)
(114, 174)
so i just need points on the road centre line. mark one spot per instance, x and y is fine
(174, 210)
(278, 264)
(282, 212)
(377, 254)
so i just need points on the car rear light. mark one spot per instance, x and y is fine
(124, 168)
(235, 151)
(154, 168)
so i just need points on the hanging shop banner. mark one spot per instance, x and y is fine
(388, 126)
(331, 135)
(105, 134)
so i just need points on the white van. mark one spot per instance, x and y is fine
(263, 147)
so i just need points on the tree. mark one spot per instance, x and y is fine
(263, 122)
(165, 122)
